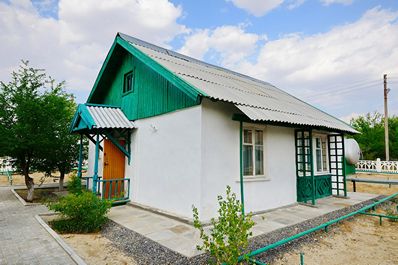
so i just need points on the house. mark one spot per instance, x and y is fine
(168, 131)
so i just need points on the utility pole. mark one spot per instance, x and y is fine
(386, 90)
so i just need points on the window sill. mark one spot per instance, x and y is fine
(254, 179)
(322, 173)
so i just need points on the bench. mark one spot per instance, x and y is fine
(375, 181)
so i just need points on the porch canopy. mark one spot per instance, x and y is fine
(91, 117)
(105, 121)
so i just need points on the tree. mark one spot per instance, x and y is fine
(371, 137)
(22, 119)
(60, 149)
(35, 114)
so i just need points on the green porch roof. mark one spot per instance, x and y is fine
(90, 116)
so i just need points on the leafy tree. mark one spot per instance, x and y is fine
(371, 137)
(229, 234)
(35, 114)
(61, 147)
(22, 119)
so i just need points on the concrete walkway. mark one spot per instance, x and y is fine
(22, 239)
(183, 238)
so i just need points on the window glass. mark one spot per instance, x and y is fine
(324, 155)
(318, 160)
(253, 152)
(247, 138)
(321, 154)
(259, 137)
(259, 160)
(128, 84)
(247, 160)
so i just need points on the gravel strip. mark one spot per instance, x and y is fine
(147, 251)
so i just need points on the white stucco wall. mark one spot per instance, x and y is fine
(166, 168)
(188, 157)
(220, 162)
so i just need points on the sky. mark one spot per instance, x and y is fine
(330, 53)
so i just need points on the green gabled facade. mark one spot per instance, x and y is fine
(156, 90)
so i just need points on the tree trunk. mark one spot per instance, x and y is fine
(61, 181)
(31, 187)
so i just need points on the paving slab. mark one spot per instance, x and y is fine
(182, 237)
(22, 239)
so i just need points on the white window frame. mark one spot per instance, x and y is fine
(314, 148)
(253, 129)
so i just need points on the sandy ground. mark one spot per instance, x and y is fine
(38, 178)
(375, 188)
(358, 241)
(96, 249)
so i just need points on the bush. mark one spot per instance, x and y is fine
(80, 213)
(75, 185)
(229, 235)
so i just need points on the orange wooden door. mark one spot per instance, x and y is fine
(114, 163)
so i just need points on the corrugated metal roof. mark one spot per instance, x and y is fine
(259, 100)
(106, 117)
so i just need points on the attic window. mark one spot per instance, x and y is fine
(128, 85)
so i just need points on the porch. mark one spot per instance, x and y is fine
(165, 233)
(110, 131)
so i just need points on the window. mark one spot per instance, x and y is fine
(321, 162)
(128, 84)
(253, 152)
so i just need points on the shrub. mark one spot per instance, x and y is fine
(80, 213)
(229, 234)
(75, 185)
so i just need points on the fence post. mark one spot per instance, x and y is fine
(378, 165)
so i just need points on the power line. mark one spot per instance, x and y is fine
(344, 90)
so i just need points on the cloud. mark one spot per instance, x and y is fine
(230, 43)
(294, 4)
(349, 117)
(330, 2)
(339, 70)
(73, 46)
(256, 7)
(326, 64)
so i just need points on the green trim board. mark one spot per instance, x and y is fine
(82, 119)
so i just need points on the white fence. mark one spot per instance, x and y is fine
(377, 166)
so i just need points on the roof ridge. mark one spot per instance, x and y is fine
(187, 58)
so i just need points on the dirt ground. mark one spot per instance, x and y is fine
(374, 188)
(360, 240)
(96, 249)
(38, 177)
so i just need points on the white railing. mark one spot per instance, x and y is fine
(377, 166)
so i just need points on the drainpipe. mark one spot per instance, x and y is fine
(95, 177)
(242, 197)
(79, 168)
